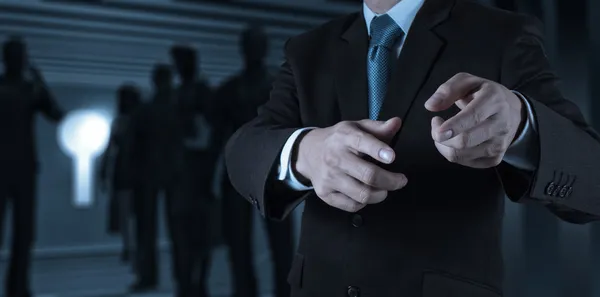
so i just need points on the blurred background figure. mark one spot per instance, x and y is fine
(239, 99)
(155, 147)
(193, 211)
(23, 94)
(116, 180)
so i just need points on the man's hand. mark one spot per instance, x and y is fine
(479, 135)
(332, 159)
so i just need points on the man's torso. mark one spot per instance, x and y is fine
(440, 235)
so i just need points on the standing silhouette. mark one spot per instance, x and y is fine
(192, 212)
(155, 146)
(239, 99)
(23, 94)
(113, 162)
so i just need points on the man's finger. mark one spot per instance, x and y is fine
(474, 114)
(456, 88)
(384, 131)
(486, 150)
(371, 174)
(365, 143)
(453, 155)
(343, 202)
(357, 191)
(475, 136)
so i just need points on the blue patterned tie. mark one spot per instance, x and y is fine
(384, 34)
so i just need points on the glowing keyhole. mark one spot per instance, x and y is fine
(84, 135)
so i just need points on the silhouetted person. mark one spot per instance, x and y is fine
(113, 163)
(240, 97)
(191, 213)
(23, 93)
(157, 159)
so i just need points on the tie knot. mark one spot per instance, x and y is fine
(384, 31)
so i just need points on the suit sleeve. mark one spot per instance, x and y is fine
(565, 179)
(252, 153)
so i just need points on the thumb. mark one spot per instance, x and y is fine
(380, 129)
(436, 123)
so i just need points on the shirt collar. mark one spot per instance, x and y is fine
(403, 13)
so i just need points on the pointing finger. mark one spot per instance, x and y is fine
(454, 89)
(476, 136)
(474, 114)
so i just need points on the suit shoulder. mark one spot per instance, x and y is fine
(500, 23)
(321, 35)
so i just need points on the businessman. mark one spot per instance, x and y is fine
(403, 127)
(23, 95)
(153, 151)
(191, 212)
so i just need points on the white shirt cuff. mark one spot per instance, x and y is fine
(522, 153)
(286, 174)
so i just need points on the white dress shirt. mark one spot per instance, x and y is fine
(520, 154)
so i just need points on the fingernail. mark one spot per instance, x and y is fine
(386, 155)
(403, 181)
(435, 99)
(443, 136)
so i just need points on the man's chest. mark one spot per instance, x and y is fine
(337, 89)
(335, 86)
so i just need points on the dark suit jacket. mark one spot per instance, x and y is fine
(441, 234)
(19, 104)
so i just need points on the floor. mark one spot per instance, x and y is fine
(105, 276)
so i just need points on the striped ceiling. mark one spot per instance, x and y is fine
(106, 42)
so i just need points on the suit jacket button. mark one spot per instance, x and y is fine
(353, 291)
(569, 191)
(563, 192)
(357, 220)
(550, 188)
(557, 190)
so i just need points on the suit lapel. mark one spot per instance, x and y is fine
(421, 48)
(351, 71)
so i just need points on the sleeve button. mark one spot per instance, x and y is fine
(550, 188)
